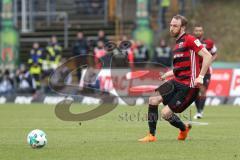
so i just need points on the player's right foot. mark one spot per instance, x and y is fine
(183, 134)
(148, 138)
(198, 116)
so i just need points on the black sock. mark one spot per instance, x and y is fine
(197, 103)
(203, 100)
(152, 118)
(200, 103)
(175, 121)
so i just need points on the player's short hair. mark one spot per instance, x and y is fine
(198, 25)
(183, 19)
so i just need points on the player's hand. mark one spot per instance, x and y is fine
(163, 76)
(198, 81)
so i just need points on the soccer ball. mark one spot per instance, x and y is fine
(37, 138)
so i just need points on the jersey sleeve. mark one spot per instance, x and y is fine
(194, 44)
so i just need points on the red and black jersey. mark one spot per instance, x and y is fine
(186, 66)
(210, 46)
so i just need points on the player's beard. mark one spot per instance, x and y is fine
(175, 35)
(198, 35)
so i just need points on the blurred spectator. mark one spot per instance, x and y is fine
(25, 82)
(99, 53)
(80, 48)
(36, 71)
(53, 55)
(6, 84)
(65, 72)
(164, 5)
(124, 38)
(91, 80)
(62, 78)
(163, 54)
(102, 37)
(35, 64)
(36, 54)
(141, 54)
(126, 57)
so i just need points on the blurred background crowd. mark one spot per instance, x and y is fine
(46, 33)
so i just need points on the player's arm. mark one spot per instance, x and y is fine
(167, 74)
(214, 57)
(213, 51)
(207, 60)
(197, 47)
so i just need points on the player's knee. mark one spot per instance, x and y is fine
(166, 113)
(153, 101)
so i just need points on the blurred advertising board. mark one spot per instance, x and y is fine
(223, 89)
(9, 38)
(235, 83)
(220, 82)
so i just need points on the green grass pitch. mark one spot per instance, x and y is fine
(114, 136)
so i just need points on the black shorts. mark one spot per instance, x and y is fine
(179, 96)
(206, 80)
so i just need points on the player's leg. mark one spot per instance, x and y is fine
(201, 99)
(175, 121)
(181, 100)
(167, 90)
(172, 118)
(154, 101)
(206, 84)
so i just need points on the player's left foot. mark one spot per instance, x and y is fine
(183, 134)
(198, 116)
(148, 138)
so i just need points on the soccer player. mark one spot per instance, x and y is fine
(210, 46)
(177, 94)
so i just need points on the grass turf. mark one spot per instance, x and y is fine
(114, 136)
